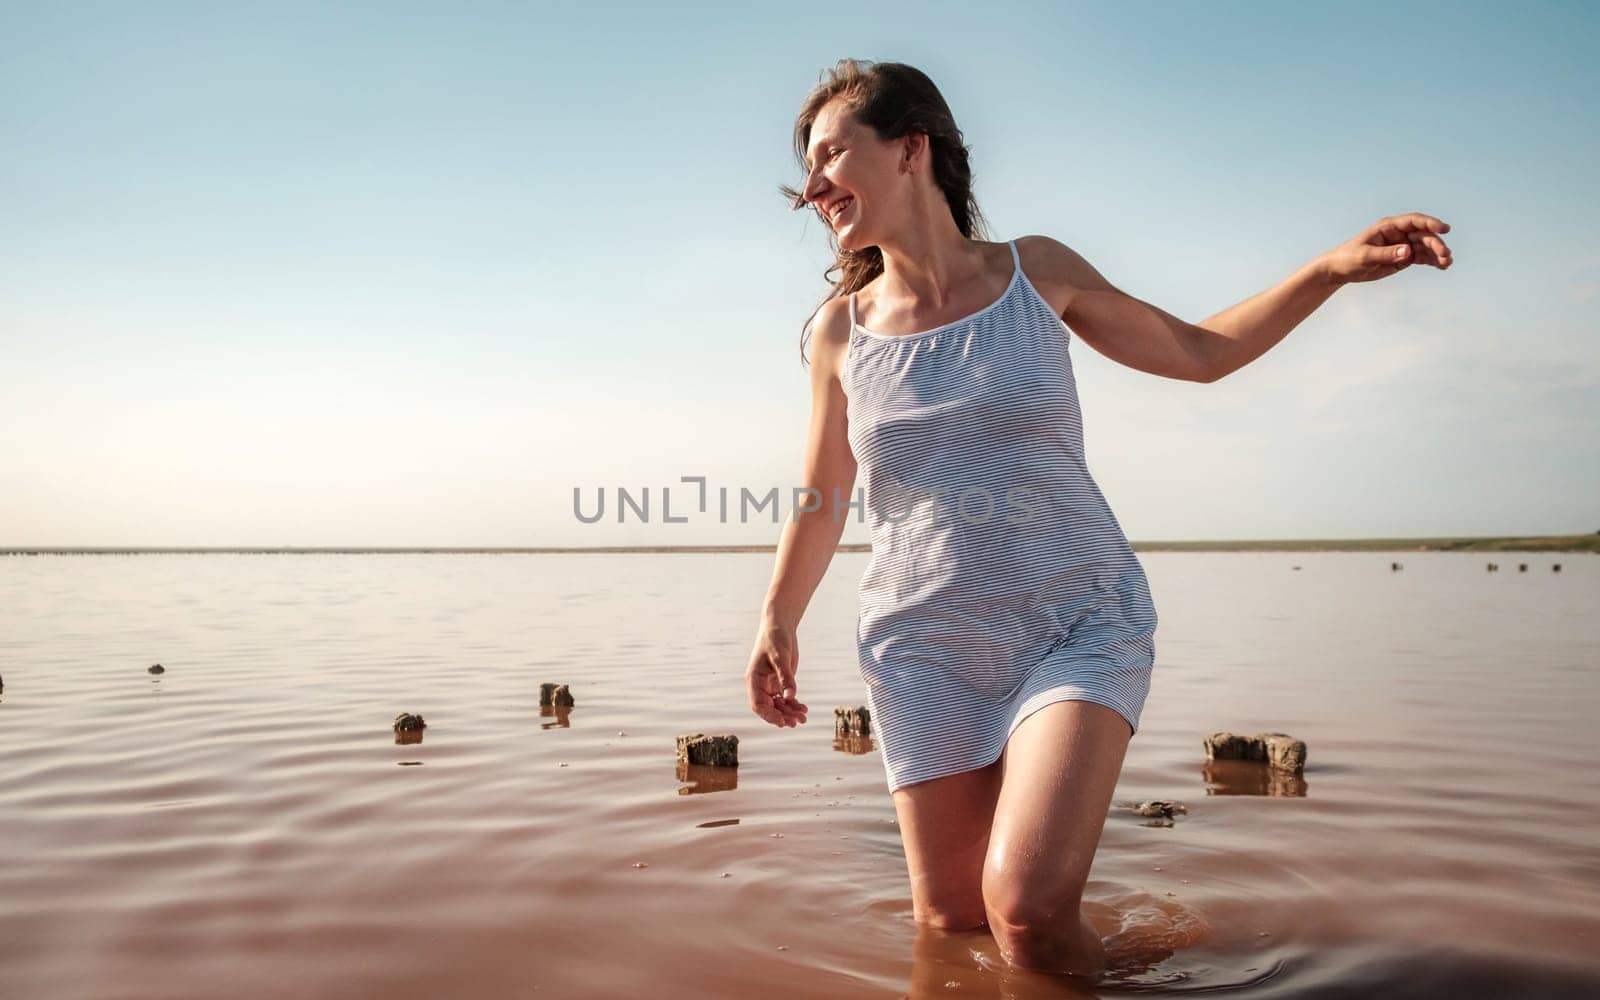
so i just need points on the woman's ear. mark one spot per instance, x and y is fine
(915, 143)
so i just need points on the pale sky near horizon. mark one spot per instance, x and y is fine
(407, 274)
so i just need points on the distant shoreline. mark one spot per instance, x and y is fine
(1508, 543)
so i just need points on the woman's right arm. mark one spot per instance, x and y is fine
(809, 539)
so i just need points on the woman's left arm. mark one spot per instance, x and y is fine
(1143, 336)
(1242, 333)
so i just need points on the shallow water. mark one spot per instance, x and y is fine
(246, 822)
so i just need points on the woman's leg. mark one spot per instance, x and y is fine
(944, 824)
(1059, 770)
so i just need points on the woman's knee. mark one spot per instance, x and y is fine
(1018, 898)
(1049, 939)
(1036, 929)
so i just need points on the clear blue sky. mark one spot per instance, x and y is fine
(395, 274)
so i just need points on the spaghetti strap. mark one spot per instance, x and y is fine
(1016, 259)
(852, 314)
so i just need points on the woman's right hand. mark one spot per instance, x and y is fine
(770, 677)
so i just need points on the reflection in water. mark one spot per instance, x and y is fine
(563, 714)
(1139, 931)
(853, 745)
(1250, 777)
(945, 962)
(706, 778)
(718, 822)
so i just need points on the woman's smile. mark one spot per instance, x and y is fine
(839, 210)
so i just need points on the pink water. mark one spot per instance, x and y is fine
(246, 824)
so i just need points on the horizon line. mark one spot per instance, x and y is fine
(1547, 542)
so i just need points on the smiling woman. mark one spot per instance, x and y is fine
(988, 646)
(1006, 663)
(846, 139)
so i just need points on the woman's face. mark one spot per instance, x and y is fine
(856, 181)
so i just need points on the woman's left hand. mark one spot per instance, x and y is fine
(1388, 246)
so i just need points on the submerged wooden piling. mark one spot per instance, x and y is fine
(555, 694)
(718, 750)
(1277, 750)
(852, 720)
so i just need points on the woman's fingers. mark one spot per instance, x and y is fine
(764, 707)
(1441, 252)
(791, 711)
(1416, 221)
(1396, 242)
(1426, 246)
(1395, 227)
(771, 696)
(759, 679)
(1418, 230)
(1400, 228)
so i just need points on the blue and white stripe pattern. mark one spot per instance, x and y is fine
(973, 614)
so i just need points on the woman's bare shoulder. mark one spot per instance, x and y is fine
(830, 337)
(1056, 270)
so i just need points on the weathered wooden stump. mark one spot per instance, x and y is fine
(406, 722)
(1395, 567)
(157, 669)
(1278, 750)
(717, 751)
(1229, 746)
(555, 694)
(1160, 808)
(1284, 752)
(1522, 567)
(852, 720)
(1556, 568)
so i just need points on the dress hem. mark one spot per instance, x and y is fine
(1050, 696)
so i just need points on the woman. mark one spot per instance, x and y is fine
(1007, 657)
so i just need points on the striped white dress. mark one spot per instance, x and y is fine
(1000, 581)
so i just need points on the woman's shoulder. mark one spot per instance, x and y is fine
(1050, 266)
(830, 335)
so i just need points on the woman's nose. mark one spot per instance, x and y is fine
(813, 187)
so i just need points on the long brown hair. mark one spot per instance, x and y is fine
(894, 100)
